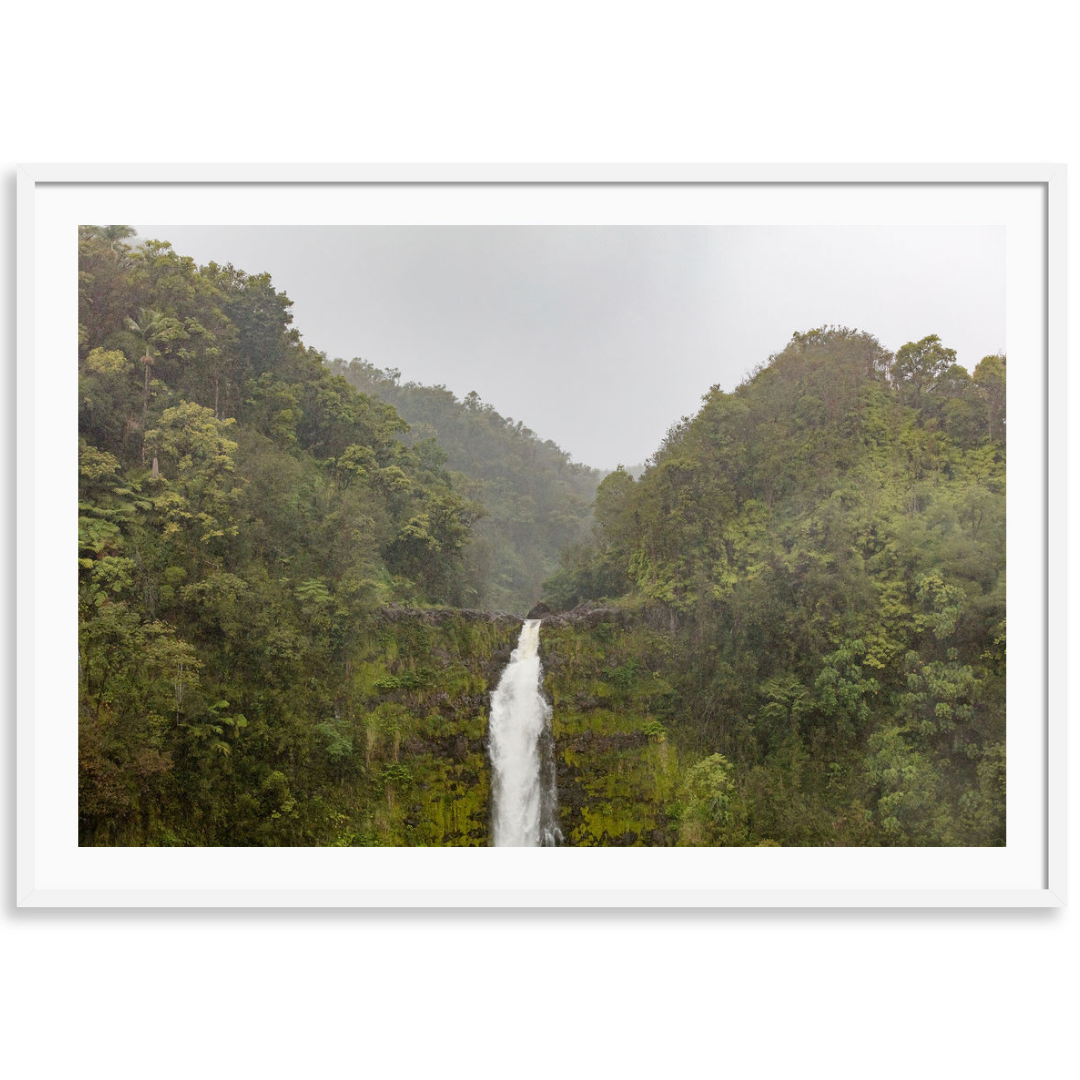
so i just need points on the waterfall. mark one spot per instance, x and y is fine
(524, 811)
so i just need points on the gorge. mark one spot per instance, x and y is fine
(788, 629)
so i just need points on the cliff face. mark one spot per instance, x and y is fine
(391, 746)
(425, 683)
(420, 692)
(617, 772)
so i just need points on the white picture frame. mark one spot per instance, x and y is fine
(52, 871)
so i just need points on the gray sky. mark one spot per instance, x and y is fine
(601, 338)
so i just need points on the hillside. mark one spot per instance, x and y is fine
(826, 546)
(245, 518)
(536, 500)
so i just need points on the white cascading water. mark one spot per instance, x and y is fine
(522, 755)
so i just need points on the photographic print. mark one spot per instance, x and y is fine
(679, 530)
(541, 536)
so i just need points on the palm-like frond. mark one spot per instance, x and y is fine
(152, 325)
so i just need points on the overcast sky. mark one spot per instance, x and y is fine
(601, 338)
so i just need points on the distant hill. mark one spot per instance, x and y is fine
(535, 500)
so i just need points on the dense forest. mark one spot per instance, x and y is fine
(537, 502)
(825, 549)
(293, 573)
(245, 516)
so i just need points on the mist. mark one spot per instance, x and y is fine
(600, 338)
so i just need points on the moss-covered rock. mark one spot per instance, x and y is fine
(417, 714)
(617, 772)
(417, 708)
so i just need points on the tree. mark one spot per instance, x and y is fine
(108, 397)
(989, 379)
(906, 791)
(713, 813)
(113, 235)
(199, 488)
(105, 293)
(918, 365)
(958, 407)
(151, 328)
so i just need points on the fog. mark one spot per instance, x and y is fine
(601, 338)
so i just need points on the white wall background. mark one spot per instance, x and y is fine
(772, 993)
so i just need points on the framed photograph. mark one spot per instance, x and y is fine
(428, 517)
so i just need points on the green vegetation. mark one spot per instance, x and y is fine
(245, 518)
(536, 500)
(825, 550)
(788, 629)
(618, 775)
